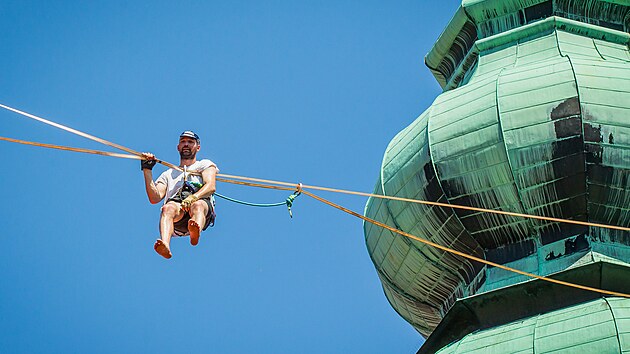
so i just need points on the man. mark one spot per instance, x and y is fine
(188, 196)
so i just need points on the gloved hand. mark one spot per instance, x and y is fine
(186, 203)
(148, 163)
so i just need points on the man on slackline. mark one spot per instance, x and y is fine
(188, 197)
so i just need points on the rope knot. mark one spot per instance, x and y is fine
(292, 197)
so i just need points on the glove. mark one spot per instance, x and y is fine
(186, 203)
(147, 164)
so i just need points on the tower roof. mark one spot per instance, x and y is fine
(454, 51)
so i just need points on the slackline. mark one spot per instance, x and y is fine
(298, 187)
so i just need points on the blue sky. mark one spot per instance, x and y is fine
(299, 91)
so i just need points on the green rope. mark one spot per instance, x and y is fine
(288, 202)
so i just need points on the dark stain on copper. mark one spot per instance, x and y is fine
(571, 245)
(593, 133)
(568, 127)
(594, 153)
(568, 107)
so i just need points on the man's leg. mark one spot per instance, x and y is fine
(198, 211)
(171, 212)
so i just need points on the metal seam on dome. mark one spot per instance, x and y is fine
(429, 210)
(429, 114)
(534, 334)
(584, 152)
(517, 188)
(612, 314)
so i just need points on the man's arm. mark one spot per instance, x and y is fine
(155, 191)
(209, 176)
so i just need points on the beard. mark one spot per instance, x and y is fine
(187, 154)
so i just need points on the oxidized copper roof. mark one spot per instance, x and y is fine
(535, 119)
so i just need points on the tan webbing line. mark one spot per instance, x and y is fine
(68, 129)
(455, 206)
(85, 135)
(426, 202)
(293, 186)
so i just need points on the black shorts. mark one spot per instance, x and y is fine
(181, 226)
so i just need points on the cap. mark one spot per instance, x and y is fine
(189, 134)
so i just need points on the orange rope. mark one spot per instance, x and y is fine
(461, 254)
(270, 184)
(426, 202)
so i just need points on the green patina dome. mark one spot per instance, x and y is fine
(534, 118)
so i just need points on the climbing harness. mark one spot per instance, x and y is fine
(191, 187)
(299, 189)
